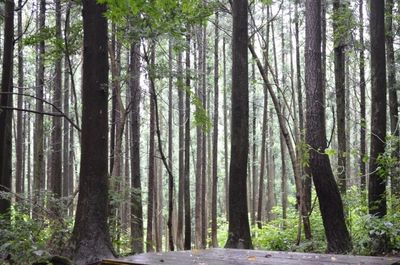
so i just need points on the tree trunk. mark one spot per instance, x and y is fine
(90, 238)
(38, 144)
(199, 151)
(339, 62)
(151, 174)
(363, 116)
(214, 241)
(6, 100)
(188, 221)
(19, 149)
(181, 155)
(56, 135)
(377, 181)
(393, 101)
(170, 149)
(331, 205)
(226, 158)
(136, 195)
(239, 230)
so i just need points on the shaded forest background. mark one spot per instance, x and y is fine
(133, 106)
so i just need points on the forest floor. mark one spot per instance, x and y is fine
(239, 256)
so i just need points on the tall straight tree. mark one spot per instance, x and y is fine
(331, 205)
(363, 114)
(181, 154)
(188, 221)
(38, 143)
(56, 135)
(19, 151)
(136, 196)
(90, 237)
(393, 100)
(239, 230)
(339, 62)
(6, 101)
(377, 181)
(214, 241)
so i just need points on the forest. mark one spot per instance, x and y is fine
(132, 126)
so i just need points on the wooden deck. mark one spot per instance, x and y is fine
(238, 257)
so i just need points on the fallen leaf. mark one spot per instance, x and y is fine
(251, 258)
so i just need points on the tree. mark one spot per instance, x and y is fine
(239, 230)
(136, 196)
(331, 205)
(214, 241)
(377, 179)
(6, 101)
(56, 136)
(90, 240)
(339, 61)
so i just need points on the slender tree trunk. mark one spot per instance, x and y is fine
(204, 221)
(170, 149)
(188, 221)
(239, 230)
(198, 212)
(136, 195)
(331, 205)
(214, 241)
(181, 155)
(253, 166)
(377, 181)
(6, 100)
(340, 88)
(19, 149)
(90, 237)
(38, 163)
(56, 135)
(363, 117)
(226, 134)
(393, 100)
(151, 173)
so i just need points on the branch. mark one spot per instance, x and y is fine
(43, 113)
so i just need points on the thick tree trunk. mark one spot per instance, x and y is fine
(377, 181)
(327, 191)
(90, 239)
(136, 195)
(6, 100)
(239, 230)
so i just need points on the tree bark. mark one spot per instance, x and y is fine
(188, 221)
(90, 238)
(340, 88)
(330, 201)
(214, 241)
(136, 195)
(239, 230)
(6, 100)
(56, 135)
(377, 181)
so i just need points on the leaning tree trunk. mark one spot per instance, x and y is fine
(90, 237)
(327, 191)
(239, 230)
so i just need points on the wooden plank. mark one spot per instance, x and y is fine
(239, 257)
